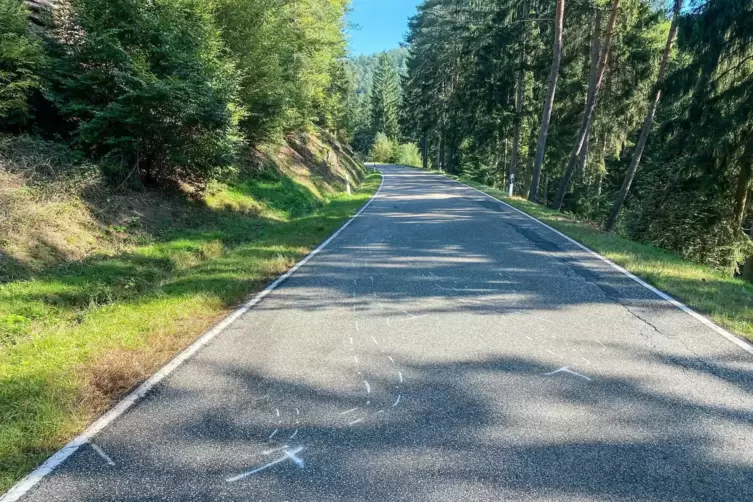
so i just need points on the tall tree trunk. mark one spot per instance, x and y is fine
(743, 185)
(519, 97)
(594, 59)
(441, 151)
(647, 123)
(546, 116)
(748, 266)
(743, 189)
(590, 107)
(424, 151)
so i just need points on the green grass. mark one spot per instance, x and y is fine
(79, 335)
(726, 300)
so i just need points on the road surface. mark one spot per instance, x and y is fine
(442, 348)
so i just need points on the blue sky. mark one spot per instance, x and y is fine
(382, 24)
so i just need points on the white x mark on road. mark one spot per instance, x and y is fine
(291, 455)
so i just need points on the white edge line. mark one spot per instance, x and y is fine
(27, 483)
(661, 294)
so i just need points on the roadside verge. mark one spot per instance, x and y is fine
(45, 411)
(722, 303)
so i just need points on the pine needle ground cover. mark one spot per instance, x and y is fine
(726, 300)
(78, 335)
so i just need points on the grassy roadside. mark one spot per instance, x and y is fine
(726, 300)
(79, 335)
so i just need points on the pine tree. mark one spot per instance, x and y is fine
(385, 100)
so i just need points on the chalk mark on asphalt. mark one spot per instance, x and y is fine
(102, 454)
(566, 369)
(412, 316)
(291, 455)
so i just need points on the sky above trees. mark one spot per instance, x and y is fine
(378, 25)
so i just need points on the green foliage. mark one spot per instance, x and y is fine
(148, 87)
(292, 59)
(385, 99)
(21, 60)
(407, 154)
(364, 67)
(472, 63)
(383, 149)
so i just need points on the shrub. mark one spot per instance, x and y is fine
(383, 149)
(21, 59)
(407, 154)
(149, 88)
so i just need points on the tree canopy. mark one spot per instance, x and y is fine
(478, 79)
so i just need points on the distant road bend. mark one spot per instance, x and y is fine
(442, 348)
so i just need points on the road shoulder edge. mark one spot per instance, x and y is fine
(20, 489)
(741, 343)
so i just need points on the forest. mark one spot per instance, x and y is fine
(169, 91)
(635, 115)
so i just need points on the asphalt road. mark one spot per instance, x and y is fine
(417, 357)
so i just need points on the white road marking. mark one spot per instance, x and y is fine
(273, 434)
(23, 487)
(397, 401)
(297, 411)
(372, 280)
(374, 340)
(102, 454)
(400, 374)
(703, 320)
(351, 340)
(350, 411)
(368, 387)
(293, 455)
(354, 422)
(288, 455)
(357, 326)
(294, 434)
(529, 337)
(277, 411)
(566, 369)
(414, 316)
(272, 450)
(391, 360)
(355, 359)
(380, 411)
